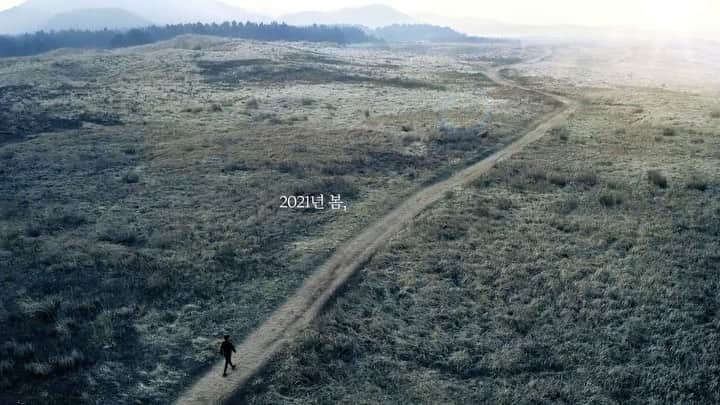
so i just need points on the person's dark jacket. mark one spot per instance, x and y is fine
(227, 349)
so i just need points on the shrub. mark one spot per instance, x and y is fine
(131, 178)
(68, 362)
(562, 133)
(657, 178)
(129, 150)
(715, 114)
(698, 183)
(668, 131)
(63, 328)
(252, 104)
(406, 128)
(215, 107)
(236, 166)
(41, 310)
(333, 185)
(19, 350)
(33, 229)
(193, 109)
(39, 369)
(291, 167)
(63, 218)
(567, 206)
(157, 282)
(306, 101)
(587, 178)
(6, 366)
(367, 113)
(557, 179)
(119, 234)
(505, 204)
(611, 198)
(409, 139)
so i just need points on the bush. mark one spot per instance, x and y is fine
(68, 362)
(587, 178)
(657, 178)
(557, 179)
(252, 104)
(567, 206)
(698, 183)
(291, 167)
(194, 109)
(131, 178)
(215, 107)
(306, 101)
(157, 282)
(6, 366)
(39, 369)
(562, 133)
(19, 350)
(129, 150)
(611, 199)
(505, 204)
(668, 132)
(119, 234)
(715, 114)
(41, 310)
(333, 185)
(236, 166)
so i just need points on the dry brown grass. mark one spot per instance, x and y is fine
(160, 191)
(520, 290)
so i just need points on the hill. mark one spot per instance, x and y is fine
(95, 19)
(34, 15)
(420, 33)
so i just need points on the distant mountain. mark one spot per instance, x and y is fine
(95, 19)
(369, 16)
(34, 15)
(420, 33)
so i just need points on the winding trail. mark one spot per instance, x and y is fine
(300, 309)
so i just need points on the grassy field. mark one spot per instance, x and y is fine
(140, 192)
(586, 270)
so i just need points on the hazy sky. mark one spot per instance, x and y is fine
(678, 16)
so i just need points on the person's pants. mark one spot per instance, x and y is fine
(228, 361)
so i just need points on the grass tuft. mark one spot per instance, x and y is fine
(611, 199)
(698, 182)
(657, 178)
(587, 178)
(252, 104)
(6, 366)
(131, 177)
(39, 369)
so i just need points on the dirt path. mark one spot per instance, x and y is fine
(300, 309)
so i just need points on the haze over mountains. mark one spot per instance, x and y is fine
(371, 16)
(34, 15)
